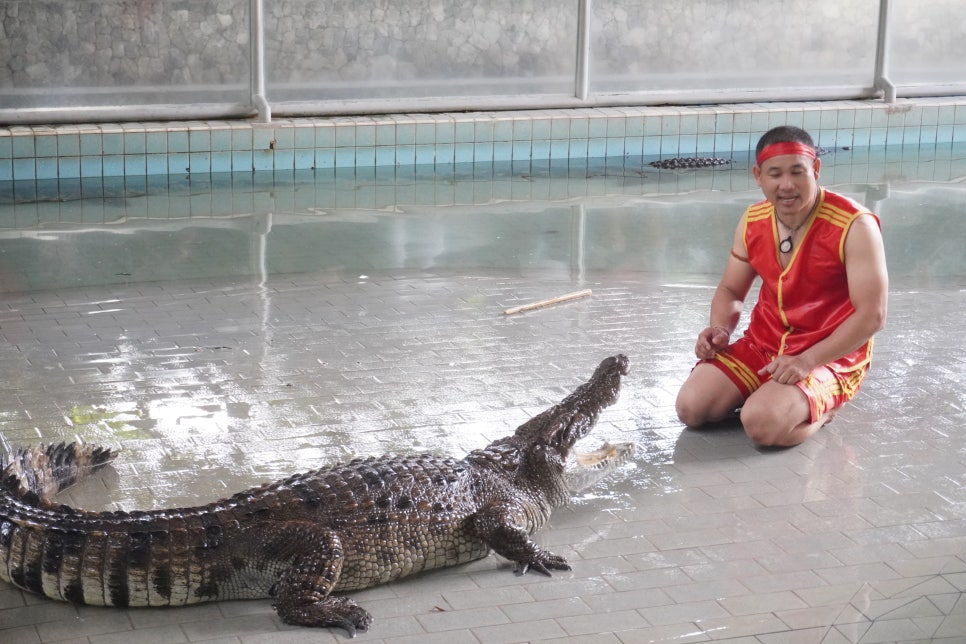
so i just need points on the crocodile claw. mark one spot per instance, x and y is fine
(555, 562)
(340, 612)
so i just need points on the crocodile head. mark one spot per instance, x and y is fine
(541, 454)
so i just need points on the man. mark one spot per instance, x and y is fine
(823, 296)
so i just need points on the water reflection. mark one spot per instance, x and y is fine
(602, 214)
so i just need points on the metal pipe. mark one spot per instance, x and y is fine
(257, 44)
(123, 113)
(582, 80)
(561, 101)
(882, 82)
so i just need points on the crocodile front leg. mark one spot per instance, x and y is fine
(499, 524)
(302, 594)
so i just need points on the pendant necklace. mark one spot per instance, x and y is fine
(786, 244)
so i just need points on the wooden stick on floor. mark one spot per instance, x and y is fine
(552, 300)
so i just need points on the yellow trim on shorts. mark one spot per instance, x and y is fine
(748, 377)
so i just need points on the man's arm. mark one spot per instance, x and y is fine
(865, 267)
(868, 279)
(728, 300)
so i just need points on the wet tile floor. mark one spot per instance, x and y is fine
(211, 386)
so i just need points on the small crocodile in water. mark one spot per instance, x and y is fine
(688, 162)
(299, 540)
(682, 163)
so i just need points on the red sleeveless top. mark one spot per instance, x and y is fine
(802, 304)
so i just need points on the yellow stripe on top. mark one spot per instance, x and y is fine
(784, 339)
(756, 212)
(780, 294)
(759, 211)
(841, 218)
(836, 217)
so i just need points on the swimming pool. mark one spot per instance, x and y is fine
(614, 214)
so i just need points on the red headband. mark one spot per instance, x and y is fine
(785, 147)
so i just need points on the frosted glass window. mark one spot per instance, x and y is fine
(927, 43)
(81, 53)
(334, 49)
(721, 44)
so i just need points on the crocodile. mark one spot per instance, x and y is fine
(689, 162)
(308, 539)
(682, 163)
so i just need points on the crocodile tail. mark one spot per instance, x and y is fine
(35, 475)
(168, 557)
(154, 558)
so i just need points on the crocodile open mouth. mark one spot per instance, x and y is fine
(605, 455)
(586, 468)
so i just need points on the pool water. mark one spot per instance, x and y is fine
(622, 215)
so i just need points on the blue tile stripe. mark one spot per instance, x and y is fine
(139, 149)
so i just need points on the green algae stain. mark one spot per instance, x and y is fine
(122, 424)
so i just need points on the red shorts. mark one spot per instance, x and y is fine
(827, 387)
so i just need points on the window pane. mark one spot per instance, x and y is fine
(927, 43)
(721, 44)
(338, 49)
(77, 54)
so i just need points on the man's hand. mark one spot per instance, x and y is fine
(710, 341)
(787, 370)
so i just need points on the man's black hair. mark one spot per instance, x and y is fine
(784, 134)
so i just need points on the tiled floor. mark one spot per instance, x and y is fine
(210, 385)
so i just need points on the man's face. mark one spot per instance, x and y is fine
(790, 183)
